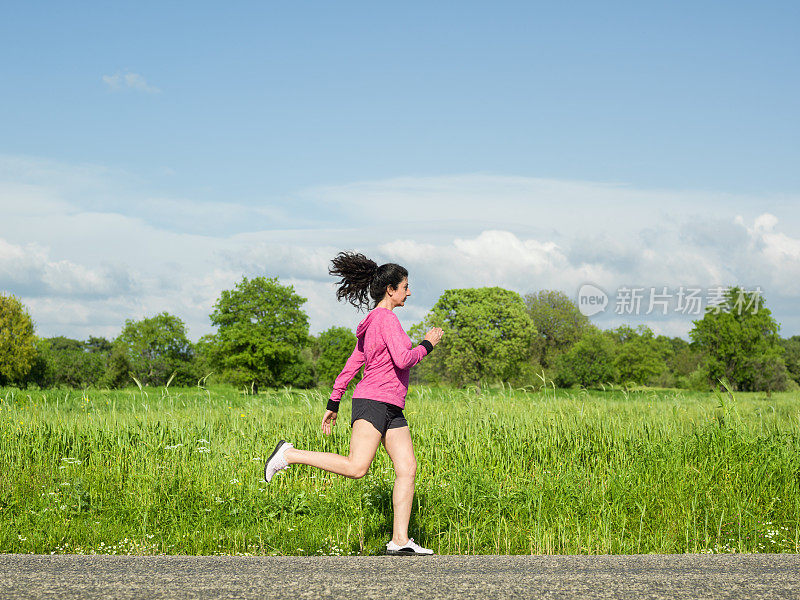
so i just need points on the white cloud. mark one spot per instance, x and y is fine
(84, 263)
(504, 251)
(524, 205)
(773, 256)
(30, 271)
(120, 81)
(297, 261)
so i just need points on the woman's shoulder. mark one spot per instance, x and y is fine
(385, 317)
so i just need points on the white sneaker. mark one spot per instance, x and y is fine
(409, 549)
(276, 461)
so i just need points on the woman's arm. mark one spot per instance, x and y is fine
(351, 367)
(399, 344)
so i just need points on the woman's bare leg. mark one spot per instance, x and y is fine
(400, 449)
(364, 442)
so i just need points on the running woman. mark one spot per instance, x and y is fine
(386, 352)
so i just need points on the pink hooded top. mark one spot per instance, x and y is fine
(384, 348)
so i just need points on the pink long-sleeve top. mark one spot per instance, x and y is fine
(384, 348)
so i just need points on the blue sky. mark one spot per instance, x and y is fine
(153, 153)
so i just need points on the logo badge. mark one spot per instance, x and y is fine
(591, 299)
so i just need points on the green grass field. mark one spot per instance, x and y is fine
(500, 471)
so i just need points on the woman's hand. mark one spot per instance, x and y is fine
(328, 421)
(434, 335)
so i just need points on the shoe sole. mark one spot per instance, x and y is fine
(274, 452)
(401, 553)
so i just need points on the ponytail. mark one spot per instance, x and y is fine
(361, 276)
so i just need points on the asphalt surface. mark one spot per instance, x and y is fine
(669, 576)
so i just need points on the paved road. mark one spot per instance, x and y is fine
(669, 576)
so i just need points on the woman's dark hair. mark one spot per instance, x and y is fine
(360, 275)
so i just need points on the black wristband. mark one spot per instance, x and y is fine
(428, 345)
(333, 405)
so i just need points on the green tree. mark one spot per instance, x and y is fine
(589, 362)
(770, 374)
(683, 362)
(119, 368)
(41, 373)
(205, 353)
(488, 336)
(639, 357)
(740, 342)
(98, 345)
(155, 348)
(622, 334)
(72, 363)
(558, 321)
(17, 341)
(791, 356)
(331, 350)
(261, 332)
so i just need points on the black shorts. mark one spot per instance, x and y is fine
(381, 414)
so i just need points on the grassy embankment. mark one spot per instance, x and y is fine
(501, 471)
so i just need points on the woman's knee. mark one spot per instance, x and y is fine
(406, 469)
(358, 470)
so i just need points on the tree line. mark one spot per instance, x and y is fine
(492, 335)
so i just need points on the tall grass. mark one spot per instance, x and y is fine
(146, 471)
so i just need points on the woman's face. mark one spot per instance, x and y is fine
(402, 292)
